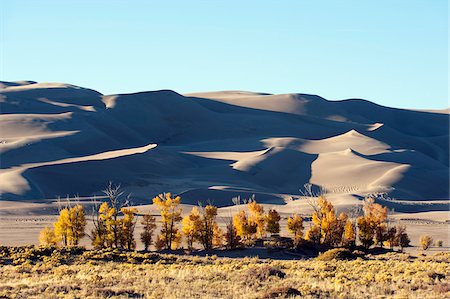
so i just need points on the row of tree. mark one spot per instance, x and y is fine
(114, 223)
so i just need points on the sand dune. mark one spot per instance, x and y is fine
(58, 139)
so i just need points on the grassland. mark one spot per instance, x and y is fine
(45, 272)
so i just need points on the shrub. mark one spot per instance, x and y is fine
(149, 223)
(339, 254)
(281, 292)
(264, 272)
(425, 242)
(439, 243)
(47, 236)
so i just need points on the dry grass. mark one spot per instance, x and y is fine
(30, 272)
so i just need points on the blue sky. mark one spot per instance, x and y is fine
(392, 52)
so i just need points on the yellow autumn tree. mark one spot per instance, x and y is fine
(391, 237)
(47, 237)
(170, 217)
(62, 227)
(295, 226)
(149, 225)
(244, 228)
(256, 217)
(126, 231)
(77, 224)
(365, 231)
(109, 217)
(349, 234)
(207, 224)
(70, 226)
(231, 237)
(218, 236)
(98, 233)
(191, 227)
(109, 226)
(371, 226)
(272, 220)
(327, 228)
(313, 234)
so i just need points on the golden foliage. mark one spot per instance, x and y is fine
(126, 231)
(69, 228)
(313, 234)
(256, 217)
(171, 216)
(207, 224)
(349, 233)
(425, 242)
(295, 226)
(327, 224)
(244, 228)
(372, 229)
(365, 231)
(272, 220)
(191, 227)
(218, 236)
(149, 223)
(47, 236)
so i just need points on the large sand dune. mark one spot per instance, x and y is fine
(59, 139)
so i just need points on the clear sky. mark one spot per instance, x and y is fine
(392, 52)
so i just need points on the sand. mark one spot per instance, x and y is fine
(59, 139)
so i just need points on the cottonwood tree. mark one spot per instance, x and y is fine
(47, 237)
(170, 217)
(391, 237)
(62, 227)
(327, 228)
(114, 222)
(272, 220)
(232, 239)
(207, 224)
(365, 232)
(149, 226)
(256, 216)
(349, 239)
(111, 213)
(372, 226)
(127, 225)
(77, 224)
(218, 236)
(191, 227)
(98, 233)
(313, 234)
(295, 226)
(245, 229)
(402, 237)
(69, 229)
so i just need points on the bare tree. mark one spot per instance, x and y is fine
(312, 196)
(114, 193)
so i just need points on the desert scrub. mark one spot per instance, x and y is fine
(336, 254)
(119, 274)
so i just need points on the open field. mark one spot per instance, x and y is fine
(39, 273)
